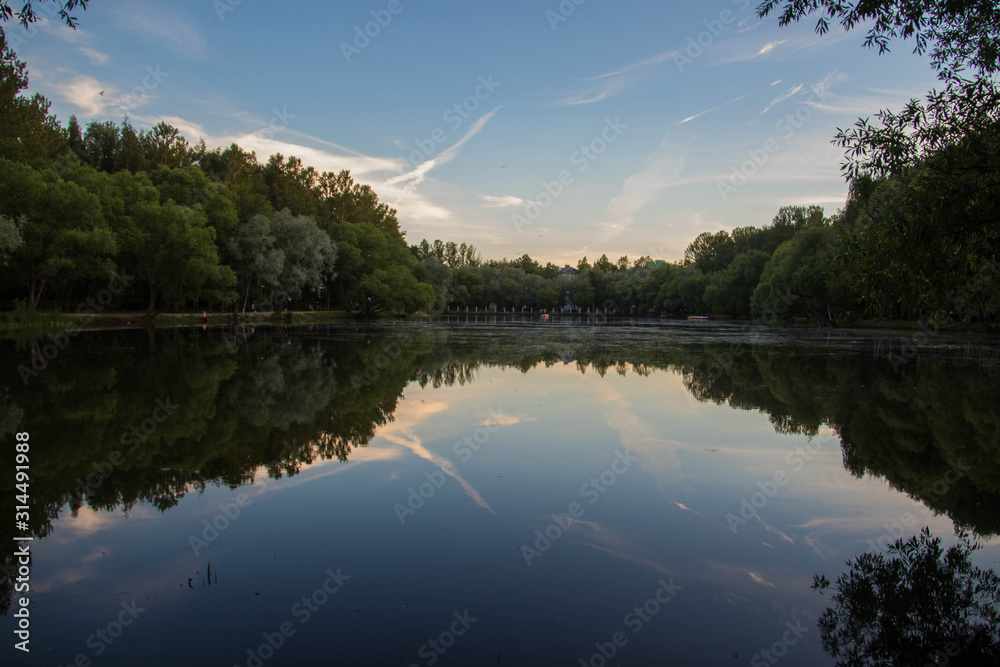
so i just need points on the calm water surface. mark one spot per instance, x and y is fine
(482, 492)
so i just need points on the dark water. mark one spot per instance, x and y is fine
(478, 493)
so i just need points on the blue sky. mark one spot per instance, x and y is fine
(557, 129)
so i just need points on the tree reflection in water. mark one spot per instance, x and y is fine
(919, 604)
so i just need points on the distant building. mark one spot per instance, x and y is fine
(566, 272)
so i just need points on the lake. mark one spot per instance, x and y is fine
(479, 491)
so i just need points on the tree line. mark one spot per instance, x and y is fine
(789, 268)
(188, 227)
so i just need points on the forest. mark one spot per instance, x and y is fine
(180, 227)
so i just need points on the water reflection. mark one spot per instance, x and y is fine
(918, 604)
(107, 436)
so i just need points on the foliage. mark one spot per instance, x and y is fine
(915, 605)
(376, 272)
(27, 132)
(923, 217)
(803, 277)
(308, 254)
(258, 264)
(28, 13)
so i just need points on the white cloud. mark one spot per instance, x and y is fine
(95, 56)
(415, 177)
(770, 46)
(85, 92)
(655, 60)
(506, 201)
(794, 90)
(584, 98)
(379, 172)
(715, 108)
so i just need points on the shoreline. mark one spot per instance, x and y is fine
(49, 322)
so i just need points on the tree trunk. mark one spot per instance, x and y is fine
(152, 302)
(35, 288)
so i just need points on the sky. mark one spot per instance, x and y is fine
(560, 129)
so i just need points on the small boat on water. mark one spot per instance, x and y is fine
(701, 317)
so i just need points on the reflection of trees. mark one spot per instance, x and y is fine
(284, 399)
(918, 605)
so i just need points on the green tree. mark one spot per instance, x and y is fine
(710, 252)
(347, 201)
(292, 185)
(254, 259)
(690, 290)
(173, 250)
(583, 293)
(64, 235)
(309, 257)
(27, 132)
(803, 277)
(730, 291)
(240, 171)
(923, 213)
(375, 271)
(548, 297)
(440, 277)
(604, 265)
(165, 146)
(190, 186)
(10, 237)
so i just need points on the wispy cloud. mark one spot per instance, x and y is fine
(151, 20)
(715, 108)
(659, 170)
(608, 84)
(655, 60)
(592, 92)
(770, 46)
(415, 177)
(78, 37)
(791, 92)
(324, 156)
(95, 56)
